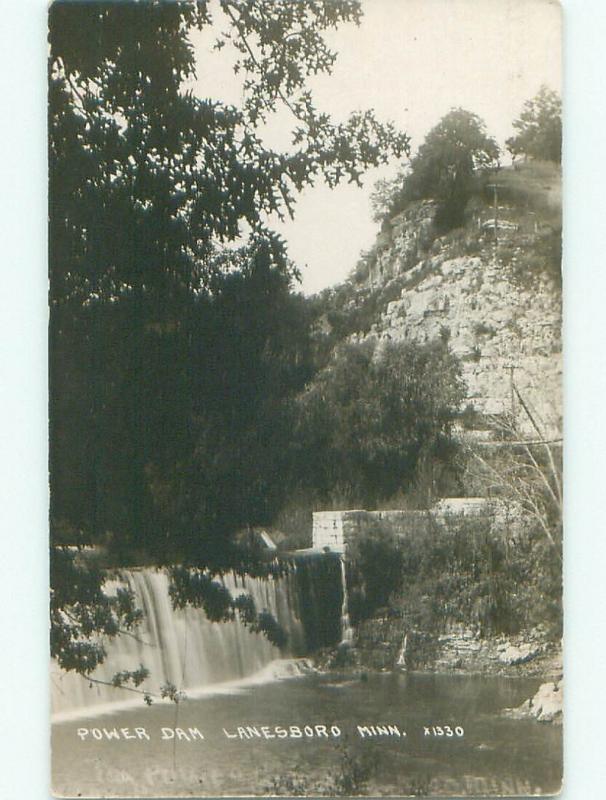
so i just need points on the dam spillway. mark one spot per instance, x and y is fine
(183, 648)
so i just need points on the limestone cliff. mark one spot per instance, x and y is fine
(491, 290)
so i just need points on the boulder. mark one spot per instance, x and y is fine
(513, 655)
(547, 704)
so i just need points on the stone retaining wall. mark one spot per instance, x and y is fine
(336, 529)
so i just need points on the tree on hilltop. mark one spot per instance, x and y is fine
(442, 169)
(539, 128)
(448, 158)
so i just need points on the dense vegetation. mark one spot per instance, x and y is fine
(442, 169)
(458, 151)
(175, 339)
(378, 418)
(193, 392)
(460, 573)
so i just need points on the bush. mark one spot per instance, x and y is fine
(466, 574)
(458, 573)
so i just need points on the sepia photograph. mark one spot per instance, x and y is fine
(305, 398)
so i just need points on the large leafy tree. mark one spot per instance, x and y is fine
(151, 187)
(442, 169)
(146, 178)
(377, 420)
(539, 128)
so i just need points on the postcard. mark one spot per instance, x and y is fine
(305, 398)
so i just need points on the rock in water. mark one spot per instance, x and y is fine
(513, 655)
(547, 704)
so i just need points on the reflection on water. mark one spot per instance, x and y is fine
(495, 755)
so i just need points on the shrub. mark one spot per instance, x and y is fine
(461, 572)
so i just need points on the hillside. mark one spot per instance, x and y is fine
(490, 288)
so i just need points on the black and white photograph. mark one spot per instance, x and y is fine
(305, 398)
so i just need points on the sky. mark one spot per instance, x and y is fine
(411, 61)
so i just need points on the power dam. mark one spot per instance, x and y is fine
(184, 649)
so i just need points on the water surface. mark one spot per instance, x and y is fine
(495, 755)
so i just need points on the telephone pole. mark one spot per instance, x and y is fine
(495, 187)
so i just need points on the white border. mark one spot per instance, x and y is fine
(24, 708)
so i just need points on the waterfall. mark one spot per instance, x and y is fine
(346, 629)
(401, 662)
(183, 648)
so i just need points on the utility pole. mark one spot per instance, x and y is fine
(494, 187)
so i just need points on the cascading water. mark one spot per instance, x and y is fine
(183, 648)
(347, 633)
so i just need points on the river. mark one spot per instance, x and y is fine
(487, 752)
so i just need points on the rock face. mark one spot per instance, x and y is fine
(464, 648)
(506, 335)
(494, 302)
(403, 241)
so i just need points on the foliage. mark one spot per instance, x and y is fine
(84, 615)
(443, 169)
(197, 588)
(375, 572)
(462, 572)
(377, 417)
(539, 128)
(525, 471)
(497, 574)
(170, 297)
(146, 177)
(543, 256)
(251, 347)
(389, 197)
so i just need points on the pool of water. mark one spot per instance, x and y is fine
(306, 730)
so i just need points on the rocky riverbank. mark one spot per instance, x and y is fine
(530, 653)
(466, 653)
(545, 706)
(376, 647)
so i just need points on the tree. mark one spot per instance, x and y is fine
(251, 346)
(378, 418)
(442, 169)
(150, 187)
(446, 162)
(539, 128)
(146, 178)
